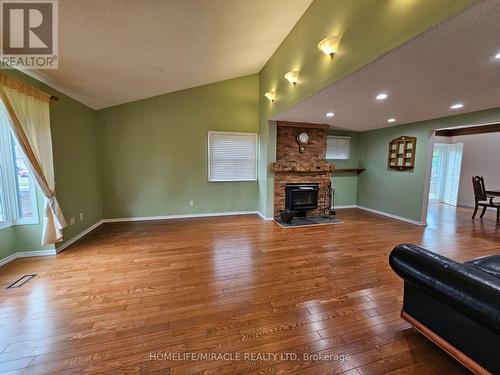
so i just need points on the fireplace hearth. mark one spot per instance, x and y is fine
(301, 197)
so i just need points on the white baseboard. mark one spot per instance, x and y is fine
(348, 206)
(415, 222)
(78, 236)
(26, 254)
(263, 217)
(8, 259)
(36, 253)
(183, 216)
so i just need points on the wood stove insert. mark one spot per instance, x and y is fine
(301, 197)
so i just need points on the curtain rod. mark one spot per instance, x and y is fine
(26, 87)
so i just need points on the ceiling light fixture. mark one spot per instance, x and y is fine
(330, 114)
(292, 77)
(497, 56)
(329, 45)
(271, 95)
(382, 96)
(391, 120)
(457, 106)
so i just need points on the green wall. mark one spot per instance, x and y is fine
(402, 193)
(76, 163)
(7, 242)
(76, 168)
(154, 151)
(369, 29)
(346, 183)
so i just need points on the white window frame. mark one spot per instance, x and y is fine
(254, 178)
(9, 186)
(338, 137)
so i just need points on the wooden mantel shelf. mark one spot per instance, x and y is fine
(312, 167)
(350, 170)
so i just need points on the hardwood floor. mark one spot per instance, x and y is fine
(229, 286)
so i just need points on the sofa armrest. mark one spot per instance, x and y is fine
(465, 288)
(417, 265)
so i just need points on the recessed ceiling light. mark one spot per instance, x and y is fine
(457, 106)
(330, 114)
(497, 56)
(391, 120)
(382, 96)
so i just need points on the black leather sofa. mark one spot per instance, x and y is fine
(456, 305)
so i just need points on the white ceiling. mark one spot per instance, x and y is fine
(117, 51)
(452, 62)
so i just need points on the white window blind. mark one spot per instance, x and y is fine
(338, 148)
(453, 168)
(232, 156)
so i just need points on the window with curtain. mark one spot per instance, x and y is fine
(338, 148)
(232, 156)
(17, 188)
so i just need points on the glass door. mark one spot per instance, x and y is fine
(445, 173)
(438, 164)
(452, 176)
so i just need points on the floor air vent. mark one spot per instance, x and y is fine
(21, 281)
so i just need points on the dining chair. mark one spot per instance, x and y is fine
(482, 199)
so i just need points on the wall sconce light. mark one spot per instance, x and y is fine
(292, 77)
(271, 95)
(329, 45)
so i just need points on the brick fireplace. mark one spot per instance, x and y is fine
(307, 167)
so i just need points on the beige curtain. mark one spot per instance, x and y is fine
(28, 109)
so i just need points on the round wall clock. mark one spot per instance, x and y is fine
(303, 138)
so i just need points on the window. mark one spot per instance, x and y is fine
(17, 189)
(338, 148)
(25, 189)
(232, 156)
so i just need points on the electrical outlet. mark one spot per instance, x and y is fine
(71, 221)
(81, 216)
(191, 203)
